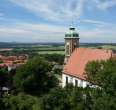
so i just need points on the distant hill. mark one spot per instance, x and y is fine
(26, 45)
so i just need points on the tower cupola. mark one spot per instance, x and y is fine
(71, 33)
(71, 42)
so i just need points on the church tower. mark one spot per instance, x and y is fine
(71, 42)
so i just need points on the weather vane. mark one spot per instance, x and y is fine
(72, 22)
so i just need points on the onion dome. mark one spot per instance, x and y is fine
(72, 33)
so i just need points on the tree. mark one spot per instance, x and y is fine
(3, 77)
(103, 101)
(69, 98)
(1, 61)
(35, 77)
(57, 58)
(20, 102)
(102, 73)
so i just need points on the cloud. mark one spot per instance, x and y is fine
(62, 10)
(27, 32)
(12, 30)
(105, 4)
(98, 24)
(98, 35)
(101, 32)
(31, 32)
(44, 27)
(56, 10)
(93, 21)
(1, 14)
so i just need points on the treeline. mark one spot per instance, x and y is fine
(30, 51)
(57, 58)
(36, 87)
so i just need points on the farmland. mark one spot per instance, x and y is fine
(33, 49)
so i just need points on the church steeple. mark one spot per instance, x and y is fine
(71, 42)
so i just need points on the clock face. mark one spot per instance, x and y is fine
(67, 43)
(75, 43)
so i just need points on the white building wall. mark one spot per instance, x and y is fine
(81, 83)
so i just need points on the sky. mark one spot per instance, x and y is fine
(48, 20)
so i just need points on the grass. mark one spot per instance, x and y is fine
(60, 49)
(53, 49)
(51, 52)
(109, 47)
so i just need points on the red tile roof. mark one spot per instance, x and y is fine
(80, 57)
(6, 49)
(2, 65)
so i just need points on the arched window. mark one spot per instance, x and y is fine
(76, 83)
(75, 45)
(67, 50)
(66, 80)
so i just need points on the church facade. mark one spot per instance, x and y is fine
(76, 59)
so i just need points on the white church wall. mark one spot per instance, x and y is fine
(72, 80)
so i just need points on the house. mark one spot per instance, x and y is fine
(12, 62)
(76, 59)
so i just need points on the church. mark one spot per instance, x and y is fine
(76, 59)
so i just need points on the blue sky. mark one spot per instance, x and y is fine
(48, 20)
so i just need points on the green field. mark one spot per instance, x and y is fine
(51, 52)
(47, 48)
(109, 47)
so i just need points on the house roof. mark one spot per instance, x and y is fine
(80, 57)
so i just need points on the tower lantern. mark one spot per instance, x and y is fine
(71, 42)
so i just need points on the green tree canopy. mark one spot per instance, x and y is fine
(68, 98)
(35, 77)
(58, 58)
(20, 102)
(102, 73)
(3, 77)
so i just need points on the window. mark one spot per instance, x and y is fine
(76, 83)
(66, 80)
(67, 50)
(71, 80)
(81, 83)
(75, 45)
(88, 84)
